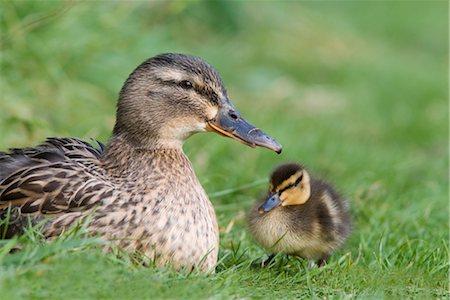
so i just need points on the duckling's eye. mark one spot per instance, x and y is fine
(186, 84)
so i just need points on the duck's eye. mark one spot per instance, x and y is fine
(186, 84)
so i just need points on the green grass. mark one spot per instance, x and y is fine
(356, 91)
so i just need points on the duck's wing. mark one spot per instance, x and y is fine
(52, 150)
(60, 175)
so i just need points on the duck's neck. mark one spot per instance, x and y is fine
(123, 159)
(148, 140)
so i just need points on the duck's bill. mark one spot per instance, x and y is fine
(271, 202)
(230, 123)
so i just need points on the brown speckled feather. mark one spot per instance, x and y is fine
(134, 204)
(44, 183)
(56, 177)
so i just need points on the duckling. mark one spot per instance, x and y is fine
(140, 190)
(301, 216)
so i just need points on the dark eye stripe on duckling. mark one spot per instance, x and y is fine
(286, 185)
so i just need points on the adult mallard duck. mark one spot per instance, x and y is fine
(302, 216)
(139, 190)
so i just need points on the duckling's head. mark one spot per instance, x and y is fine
(289, 185)
(172, 96)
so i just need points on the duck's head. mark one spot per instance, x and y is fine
(289, 185)
(172, 96)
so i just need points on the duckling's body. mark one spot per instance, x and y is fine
(140, 190)
(301, 216)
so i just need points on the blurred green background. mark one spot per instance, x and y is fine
(357, 91)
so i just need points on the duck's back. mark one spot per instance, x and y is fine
(51, 151)
(47, 180)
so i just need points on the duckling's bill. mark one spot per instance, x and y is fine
(229, 122)
(271, 202)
